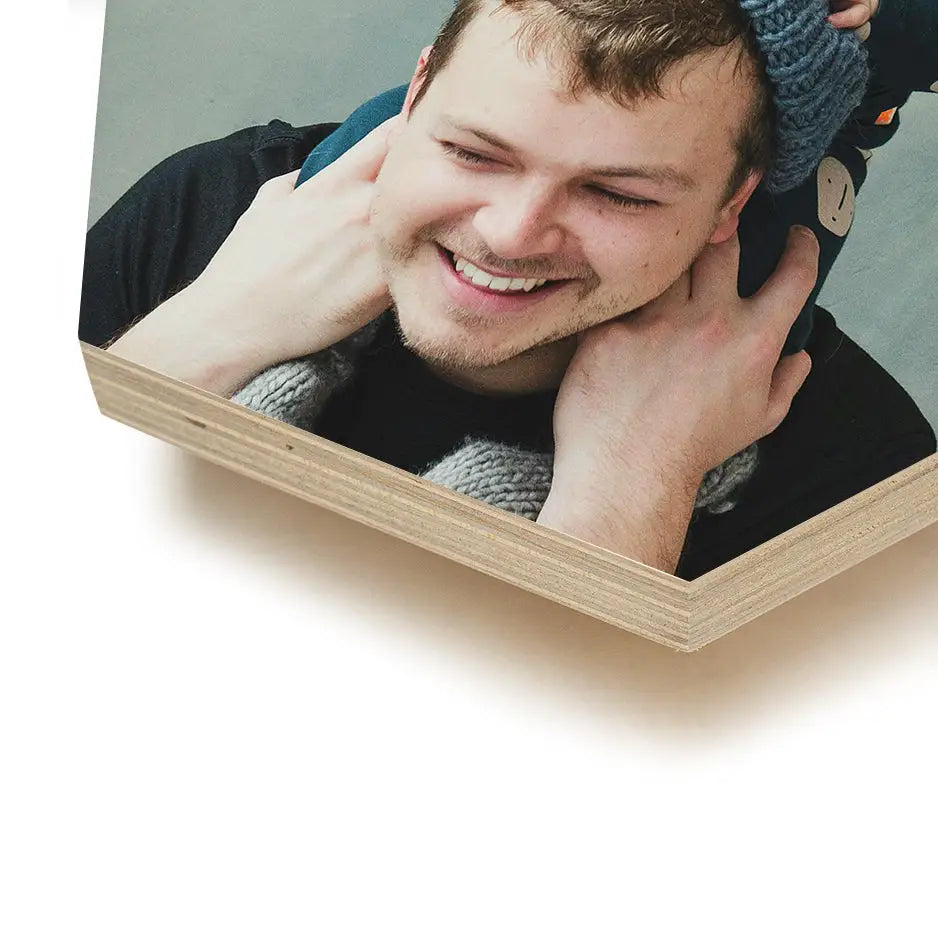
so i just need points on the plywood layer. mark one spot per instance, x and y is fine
(680, 614)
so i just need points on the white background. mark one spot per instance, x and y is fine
(225, 712)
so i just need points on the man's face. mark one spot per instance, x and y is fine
(499, 167)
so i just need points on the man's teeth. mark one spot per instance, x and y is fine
(503, 284)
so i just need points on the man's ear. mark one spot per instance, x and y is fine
(420, 73)
(729, 214)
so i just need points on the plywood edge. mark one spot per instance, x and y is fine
(814, 551)
(576, 574)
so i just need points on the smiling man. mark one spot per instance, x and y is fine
(523, 287)
(606, 194)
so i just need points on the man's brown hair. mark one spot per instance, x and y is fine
(622, 49)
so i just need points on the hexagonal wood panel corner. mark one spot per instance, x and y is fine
(684, 615)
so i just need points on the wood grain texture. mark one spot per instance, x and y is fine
(814, 551)
(683, 615)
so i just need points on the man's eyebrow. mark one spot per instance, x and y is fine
(665, 174)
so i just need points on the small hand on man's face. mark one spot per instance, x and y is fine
(691, 378)
(300, 270)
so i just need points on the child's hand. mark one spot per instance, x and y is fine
(299, 271)
(851, 14)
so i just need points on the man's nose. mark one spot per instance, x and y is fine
(520, 222)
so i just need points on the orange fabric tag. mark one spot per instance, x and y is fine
(887, 116)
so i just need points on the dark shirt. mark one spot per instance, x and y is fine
(398, 411)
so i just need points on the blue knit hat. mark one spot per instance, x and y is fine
(819, 74)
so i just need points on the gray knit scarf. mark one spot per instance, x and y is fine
(501, 475)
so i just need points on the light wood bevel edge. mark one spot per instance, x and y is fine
(816, 550)
(568, 571)
(680, 614)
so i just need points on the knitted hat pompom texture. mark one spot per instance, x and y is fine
(819, 74)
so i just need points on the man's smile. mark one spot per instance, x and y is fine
(493, 281)
(491, 292)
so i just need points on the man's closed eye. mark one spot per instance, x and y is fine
(616, 198)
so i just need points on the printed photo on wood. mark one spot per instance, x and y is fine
(631, 306)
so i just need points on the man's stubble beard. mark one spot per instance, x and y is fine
(448, 354)
(395, 255)
(459, 354)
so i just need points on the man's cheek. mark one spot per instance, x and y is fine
(670, 251)
(645, 275)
